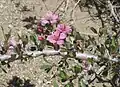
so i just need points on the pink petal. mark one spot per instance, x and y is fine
(44, 21)
(56, 33)
(59, 27)
(68, 29)
(64, 29)
(55, 17)
(53, 21)
(60, 42)
(49, 16)
(49, 13)
(50, 38)
(62, 36)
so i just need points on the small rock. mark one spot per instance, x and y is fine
(62, 9)
(10, 26)
(1, 6)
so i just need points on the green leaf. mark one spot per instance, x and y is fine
(63, 76)
(46, 60)
(94, 30)
(55, 83)
(24, 39)
(3, 70)
(105, 72)
(3, 63)
(69, 85)
(68, 45)
(71, 39)
(114, 45)
(113, 42)
(6, 36)
(91, 60)
(78, 36)
(34, 39)
(41, 45)
(77, 69)
(63, 49)
(47, 68)
(71, 53)
(82, 84)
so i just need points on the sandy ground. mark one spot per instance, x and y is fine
(10, 18)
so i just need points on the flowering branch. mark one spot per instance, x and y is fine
(51, 53)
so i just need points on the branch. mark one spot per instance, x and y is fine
(72, 14)
(59, 6)
(111, 7)
(50, 53)
(94, 75)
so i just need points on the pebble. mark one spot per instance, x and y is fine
(62, 9)
(10, 26)
(1, 6)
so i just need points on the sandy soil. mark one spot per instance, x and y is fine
(10, 18)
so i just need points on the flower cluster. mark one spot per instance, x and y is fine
(50, 18)
(59, 33)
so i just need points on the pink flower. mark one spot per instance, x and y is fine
(63, 28)
(57, 38)
(50, 18)
(44, 21)
(86, 65)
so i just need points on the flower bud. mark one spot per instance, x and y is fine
(40, 38)
(40, 29)
(12, 41)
